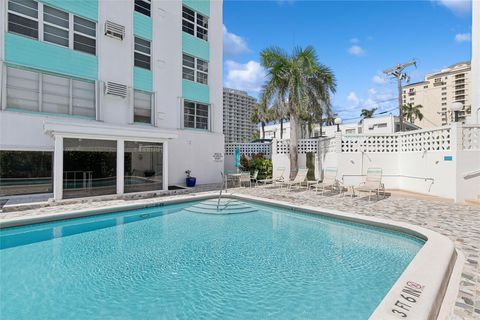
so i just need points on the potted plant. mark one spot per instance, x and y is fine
(191, 181)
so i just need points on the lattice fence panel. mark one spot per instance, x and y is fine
(432, 140)
(471, 138)
(248, 148)
(307, 145)
(370, 143)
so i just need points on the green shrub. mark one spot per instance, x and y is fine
(258, 162)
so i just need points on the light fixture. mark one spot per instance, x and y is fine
(338, 122)
(456, 107)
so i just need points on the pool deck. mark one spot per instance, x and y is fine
(461, 223)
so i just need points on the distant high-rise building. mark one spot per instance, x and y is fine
(437, 93)
(237, 116)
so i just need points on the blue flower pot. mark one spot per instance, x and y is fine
(191, 182)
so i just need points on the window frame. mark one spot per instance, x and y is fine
(196, 115)
(204, 34)
(152, 103)
(41, 23)
(135, 51)
(41, 93)
(144, 1)
(195, 69)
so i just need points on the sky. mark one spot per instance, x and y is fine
(356, 39)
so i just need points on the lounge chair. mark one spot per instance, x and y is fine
(254, 177)
(245, 178)
(373, 183)
(277, 177)
(329, 180)
(300, 178)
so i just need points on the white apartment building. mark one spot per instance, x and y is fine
(437, 93)
(237, 116)
(378, 125)
(109, 97)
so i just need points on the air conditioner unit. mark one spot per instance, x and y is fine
(116, 89)
(114, 30)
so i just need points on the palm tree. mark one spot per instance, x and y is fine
(299, 80)
(279, 113)
(367, 113)
(411, 112)
(260, 114)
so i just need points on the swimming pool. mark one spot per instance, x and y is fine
(179, 261)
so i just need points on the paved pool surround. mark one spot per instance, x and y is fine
(419, 293)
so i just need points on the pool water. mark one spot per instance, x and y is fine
(173, 262)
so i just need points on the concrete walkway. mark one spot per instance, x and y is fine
(461, 223)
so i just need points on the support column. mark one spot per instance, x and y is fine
(58, 169)
(120, 166)
(165, 166)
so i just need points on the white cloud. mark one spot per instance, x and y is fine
(356, 50)
(463, 37)
(233, 44)
(353, 99)
(379, 79)
(457, 6)
(248, 76)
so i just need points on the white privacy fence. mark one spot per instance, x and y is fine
(248, 149)
(437, 161)
(419, 140)
(471, 137)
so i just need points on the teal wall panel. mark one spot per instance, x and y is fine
(49, 57)
(142, 26)
(201, 6)
(195, 46)
(142, 79)
(195, 91)
(84, 8)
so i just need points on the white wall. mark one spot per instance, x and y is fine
(194, 151)
(475, 81)
(115, 60)
(167, 61)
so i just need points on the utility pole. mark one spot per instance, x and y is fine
(397, 73)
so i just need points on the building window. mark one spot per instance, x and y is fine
(195, 115)
(195, 23)
(143, 166)
(444, 103)
(142, 107)
(58, 94)
(23, 19)
(55, 26)
(143, 7)
(443, 99)
(84, 35)
(142, 53)
(195, 69)
(444, 93)
(425, 87)
(25, 172)
(89, 167)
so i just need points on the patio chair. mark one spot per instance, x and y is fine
(312, 183)
(277, 177)
(373, 183)
(245, 178)
(329, 180)
(299, 179)
(254, 177)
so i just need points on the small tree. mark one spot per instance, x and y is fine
(411, 112)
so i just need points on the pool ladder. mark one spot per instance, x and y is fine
(221, 190)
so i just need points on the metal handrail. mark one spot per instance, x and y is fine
(221, 189)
